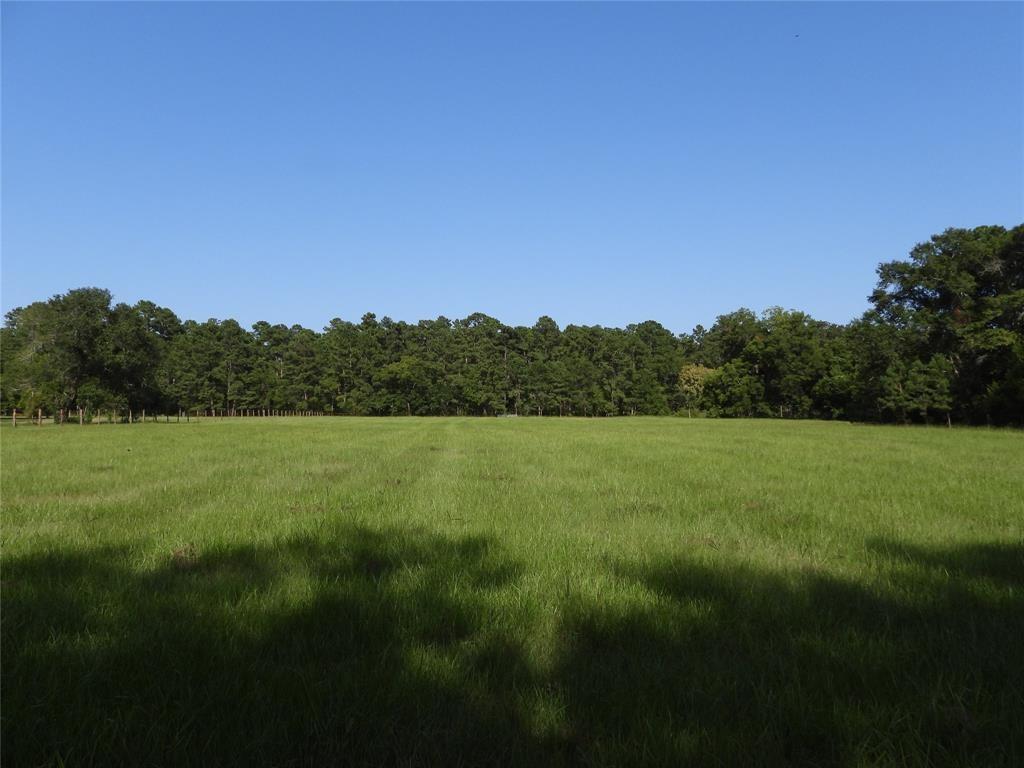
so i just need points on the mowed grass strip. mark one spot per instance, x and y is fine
(517, 592)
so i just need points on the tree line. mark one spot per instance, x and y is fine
(943, 340)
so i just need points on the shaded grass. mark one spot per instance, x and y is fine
(467, 592)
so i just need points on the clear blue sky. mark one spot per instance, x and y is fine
(602, 164)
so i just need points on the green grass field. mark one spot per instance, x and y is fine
(517, 591)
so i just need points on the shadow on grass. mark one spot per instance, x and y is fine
(1003, 563)
(364, 647)
(738, 666)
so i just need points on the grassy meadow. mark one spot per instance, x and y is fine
(648, 591)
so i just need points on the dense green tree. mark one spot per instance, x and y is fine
(727, 338)
(788, 355)
(961, 296)
(920, 389)
(303, 369)
(409, 387)
(544, 374)
(944, 340)
(735, 389)
(266, 386)
(30, 359)
(132, 354)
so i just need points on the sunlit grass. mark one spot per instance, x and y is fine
(471, 591)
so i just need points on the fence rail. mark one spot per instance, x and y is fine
(83, 417)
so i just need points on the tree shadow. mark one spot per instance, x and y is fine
(1002, 562)
(733, 665)
(357, 646)
(351, 647)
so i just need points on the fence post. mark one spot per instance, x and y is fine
(39, 417)
(14, 417)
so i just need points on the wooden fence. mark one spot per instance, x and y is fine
(82, 416)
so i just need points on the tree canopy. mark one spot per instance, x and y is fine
(943, 340)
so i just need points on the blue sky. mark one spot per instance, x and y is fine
(602, 164)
